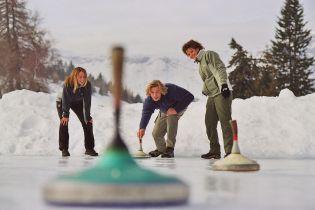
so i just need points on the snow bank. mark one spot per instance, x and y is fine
(269, 127)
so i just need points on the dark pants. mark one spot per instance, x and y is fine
(77, 108)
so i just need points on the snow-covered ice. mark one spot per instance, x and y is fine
(280, 184)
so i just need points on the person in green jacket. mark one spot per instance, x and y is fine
(215, 87)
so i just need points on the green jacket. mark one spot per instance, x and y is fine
(212, 72)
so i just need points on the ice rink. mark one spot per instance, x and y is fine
(280, 184)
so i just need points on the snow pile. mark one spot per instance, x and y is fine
(269, 127)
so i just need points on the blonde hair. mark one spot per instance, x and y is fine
(72, 81)
(156, 83)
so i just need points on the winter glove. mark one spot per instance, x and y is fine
(225, 91)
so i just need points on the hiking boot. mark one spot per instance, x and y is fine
(226, 155)
(211, 155)
(65, 153)
(91, 152)
(155, 153)
(169, 153)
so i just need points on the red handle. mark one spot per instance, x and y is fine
(234, 129)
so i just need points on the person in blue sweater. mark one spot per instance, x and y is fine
(172, 101)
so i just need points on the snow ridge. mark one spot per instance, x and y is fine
(269, 127)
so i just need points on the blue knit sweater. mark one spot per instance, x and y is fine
(176, 97)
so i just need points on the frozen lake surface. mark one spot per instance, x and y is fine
(280, 184)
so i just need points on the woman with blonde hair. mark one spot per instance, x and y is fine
(76, 95)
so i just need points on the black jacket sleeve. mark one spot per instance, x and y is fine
(87, 102)
(66, 100)
(147, 111)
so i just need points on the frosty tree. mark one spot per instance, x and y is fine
(26, 49)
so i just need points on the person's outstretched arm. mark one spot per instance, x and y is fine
(147, 111)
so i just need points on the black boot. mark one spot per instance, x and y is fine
(65, 153)
(91, 152)
(169, 153)
(211, 155)
(226, 155)
(155, 153)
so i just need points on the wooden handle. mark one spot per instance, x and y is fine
(117, 58)
(234, 129)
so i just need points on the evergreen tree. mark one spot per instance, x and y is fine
(100, 77)
(125, 96)
(268, 83)
(138, 99)
(102, 91)
(70, 68)
(244, 74)
(99, 82)
(57, 71)
(289, 50)
(56, 68)
(92, 81)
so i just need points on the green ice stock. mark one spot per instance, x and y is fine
(118, 167)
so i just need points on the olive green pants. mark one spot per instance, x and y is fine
(219, 109)
(165, 125)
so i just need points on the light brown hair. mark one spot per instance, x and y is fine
(72, 81)
(156, 83)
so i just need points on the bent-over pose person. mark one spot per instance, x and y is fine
(76, 95)
(172, 101)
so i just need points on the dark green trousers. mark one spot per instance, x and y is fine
(219, 109)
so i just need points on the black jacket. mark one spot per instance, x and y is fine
(82, 95)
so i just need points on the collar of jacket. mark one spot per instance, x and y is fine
(199, 56)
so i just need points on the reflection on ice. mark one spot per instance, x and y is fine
(169, 163)
(280, 184)
(222, 184)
